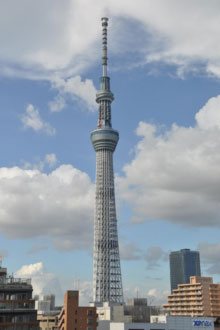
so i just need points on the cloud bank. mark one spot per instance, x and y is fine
(58, 205)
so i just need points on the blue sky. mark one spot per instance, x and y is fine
(164, 67)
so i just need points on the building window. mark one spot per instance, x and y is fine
(90, 312)
(75, 320)
(90, 321)
(89, 328)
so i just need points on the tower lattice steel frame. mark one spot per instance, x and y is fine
(107, 281)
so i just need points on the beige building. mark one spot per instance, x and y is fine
(75, 317)
(48, 322)
(200, 297)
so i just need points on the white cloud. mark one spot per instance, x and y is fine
(58, 204)
(209, 116)
(65, 43)
(43, 282)
(32, 119)
(175, 174)
(74, 89)
(51, 160)
(57, 104)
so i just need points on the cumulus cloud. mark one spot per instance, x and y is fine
(32, 119)
(43, 282)
(74, 89)
(175, 173)
(58, 204)
(210, 253)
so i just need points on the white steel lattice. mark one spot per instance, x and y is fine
(107, 281)
(107, 270)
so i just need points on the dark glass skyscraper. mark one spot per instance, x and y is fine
(183, 264)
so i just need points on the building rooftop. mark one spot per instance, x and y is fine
(15, 281)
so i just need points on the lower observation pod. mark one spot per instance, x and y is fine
(104, 139)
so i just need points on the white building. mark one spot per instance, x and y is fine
(167, 323)
(111, 312)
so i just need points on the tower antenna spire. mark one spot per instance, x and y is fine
(104, 46)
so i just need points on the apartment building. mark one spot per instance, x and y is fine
(200, 297)
(75, 317)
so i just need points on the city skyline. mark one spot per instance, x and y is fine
(166, 164)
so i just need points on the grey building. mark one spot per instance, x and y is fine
(183, 264)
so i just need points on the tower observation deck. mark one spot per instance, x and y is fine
(107, 281)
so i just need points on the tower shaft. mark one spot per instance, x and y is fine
(107, 281)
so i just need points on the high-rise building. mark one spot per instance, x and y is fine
(107, 279)
(200, 297)
(183, 264)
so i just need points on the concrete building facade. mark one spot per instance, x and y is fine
(75, 317)
(48, 321)
(183, 264)
(198, 298)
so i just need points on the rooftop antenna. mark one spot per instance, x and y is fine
(104, 46)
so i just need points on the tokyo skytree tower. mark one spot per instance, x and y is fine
(107, 281)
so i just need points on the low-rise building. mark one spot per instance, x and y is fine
(135, 310)
(198, 298)
(47, 312)
(108, 311)
(48, 321)
(73, 316)
(167, 323)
